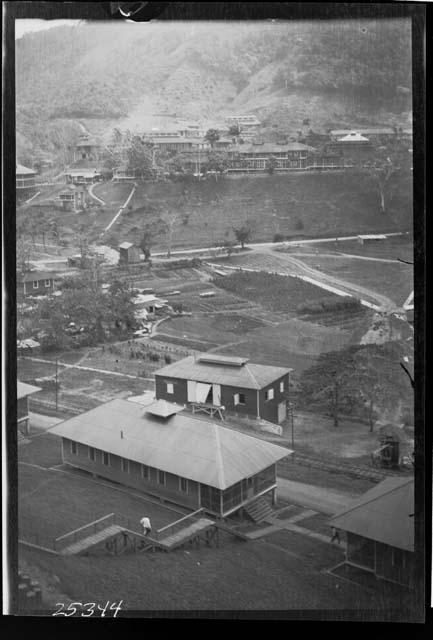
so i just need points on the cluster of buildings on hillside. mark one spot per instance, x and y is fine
(247, 152)
(156, 445)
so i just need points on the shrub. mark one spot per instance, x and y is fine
(167, 359)
(278, 237)
(299, 225)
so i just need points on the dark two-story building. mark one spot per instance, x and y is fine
(239, 386)
(172, 455)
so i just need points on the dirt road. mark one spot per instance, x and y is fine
(313, 497)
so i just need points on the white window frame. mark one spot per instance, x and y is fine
(170, 387)
(47, 282)
(269, 394)
(92, 449)
(108, 463)
(35, 282)
(186, 490)
(281, 386)
(236, 398)
(125, 465)
(74, 446)
(162, 474)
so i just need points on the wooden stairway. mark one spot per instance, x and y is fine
(259, 510)
(90, 541)
(186, 534)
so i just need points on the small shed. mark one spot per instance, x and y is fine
(380, 532)
(24, 390)
(129, 253)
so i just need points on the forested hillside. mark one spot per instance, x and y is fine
(333, 73)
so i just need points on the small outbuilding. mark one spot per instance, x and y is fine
(162, 451)
(24, 390)
(371, 239)
(36, 283)
(240, 386)
(129, 253)
(379, 530)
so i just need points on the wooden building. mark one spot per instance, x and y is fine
(73, 197)
(129, 253)
(253, 158)
(371, 238)
(82, 175)
(35, 283)
(172, 455)
(86, 148)
(241, 387)
(379, 529)
(25, 180)
(23, 392)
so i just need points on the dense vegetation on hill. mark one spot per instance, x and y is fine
(334, 73)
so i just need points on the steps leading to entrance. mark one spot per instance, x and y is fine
(91, 541)
(259, 510)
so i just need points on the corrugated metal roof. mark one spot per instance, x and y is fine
(248, 376)
(24, 389)
(383, 514)
(353, 136)
(199, 450)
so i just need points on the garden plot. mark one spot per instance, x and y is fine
(221, 328)
(274, 292)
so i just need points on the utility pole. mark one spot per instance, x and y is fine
(57, 385)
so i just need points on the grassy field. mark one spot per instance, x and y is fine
(277, 293)
(275, 204)
(395, 280)
(284, 204)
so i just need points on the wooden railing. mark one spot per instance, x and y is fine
(82, 532)
(169, 529)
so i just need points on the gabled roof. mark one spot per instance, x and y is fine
(199, 450)
(244, 376)
(126, 245)
(383, 514)
(25, 171)
(32, 276)
(24, 389)
(353, 136)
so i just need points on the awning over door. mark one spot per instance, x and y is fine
(202, 391)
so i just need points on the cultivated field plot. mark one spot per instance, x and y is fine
(275, 292)
(394, 280)
(274, 204)
(221, 328)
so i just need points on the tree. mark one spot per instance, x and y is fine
(388, 162)
(149, 233)
(326, 382)
(169, 220)
(212, 136)
(23, 253)
(271, 164)
(376, 380)
(120, 305)
(140, 156)
(218, 161)
(243, 234)
(234, 131)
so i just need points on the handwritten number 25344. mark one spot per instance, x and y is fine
(87, 609)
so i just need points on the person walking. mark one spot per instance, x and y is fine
(147, 527)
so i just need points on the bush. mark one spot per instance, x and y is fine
(299, 225)
(167, 359)
(278, 237)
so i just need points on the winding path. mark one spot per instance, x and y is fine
(122, 208)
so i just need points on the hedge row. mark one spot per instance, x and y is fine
(346, 303)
